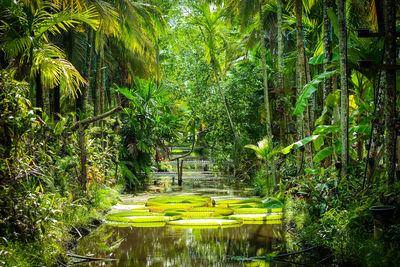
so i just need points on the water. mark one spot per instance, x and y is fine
(171, 246)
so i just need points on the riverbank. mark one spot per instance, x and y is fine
(65, 223)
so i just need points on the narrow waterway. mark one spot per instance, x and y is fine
(175, 246)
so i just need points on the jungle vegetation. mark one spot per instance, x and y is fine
(288, 92)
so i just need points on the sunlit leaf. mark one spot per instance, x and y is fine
(323, 154)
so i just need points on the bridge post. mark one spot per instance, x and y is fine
(180, 167)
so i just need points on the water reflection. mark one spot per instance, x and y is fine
(169, 246)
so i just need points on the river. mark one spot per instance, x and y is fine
(173, 246)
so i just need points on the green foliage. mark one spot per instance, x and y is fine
(39, 165)
(147, 123)
(26, 37)
(300, 143)
(319, 59)
(262, 185)
(308, 90)
(332, 212)
(36, 253)
(271, 204)
(39, 199)
(264, 149)
(19, 122)
(323, 154)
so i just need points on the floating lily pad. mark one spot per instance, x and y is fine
(237, 201)
(217, 210)
(171, 200)
(120, 206)
(199, 215)
(258, 217)
(125, 224)
(264, 222)
(164, 207)
(135, 217)
(256, 210)
(149, 224)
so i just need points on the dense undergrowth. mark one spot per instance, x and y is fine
(332, 214)
(42, 207)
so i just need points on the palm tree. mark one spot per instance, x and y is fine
(280, 84)
(246, 12)
(301, 79)
(124, 41)
(209, 22)
(265, 74)
(344, 105)
(27, 45)
(132, 47)
(327, 48)
(266, 152)
(389, 58)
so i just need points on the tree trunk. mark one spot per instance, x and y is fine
(227, 110)
(266, 96)
(377, 125)
(312, 104)
(80, 126)
(280, 73)
(46, 101)
(107, 93)
(265, 77)
(83, 157)
(88, 70)
(99, 82)
(83, 93)
(390, 88)
(344, 105)
(301, 120)
(39, 91)
(102, 84)
(327, 85)
(377, 130)
(56, 100)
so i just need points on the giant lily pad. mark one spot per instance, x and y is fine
(258, 217)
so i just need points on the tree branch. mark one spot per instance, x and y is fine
(88, 258)
(191, 150)
(95, 118)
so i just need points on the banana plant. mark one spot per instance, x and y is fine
(358, 129)
(308, 90)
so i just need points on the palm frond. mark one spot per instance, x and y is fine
(80, 5)
(263, 149)
(15, 46)
(109, 18)
(63, 20)
(55, 69)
